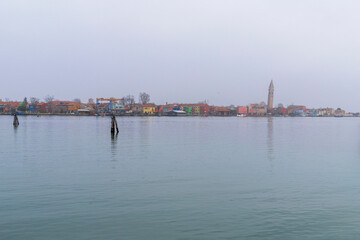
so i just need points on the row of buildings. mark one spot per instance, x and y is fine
(106, 106)
(196, 109)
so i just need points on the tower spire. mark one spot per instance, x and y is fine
(271, 96)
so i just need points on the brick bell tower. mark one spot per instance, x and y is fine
(270, 104)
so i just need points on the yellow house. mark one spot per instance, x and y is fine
(148, 109)
(197, 110)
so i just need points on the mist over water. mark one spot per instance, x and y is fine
(179, 178)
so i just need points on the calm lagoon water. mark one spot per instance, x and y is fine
(180, 178)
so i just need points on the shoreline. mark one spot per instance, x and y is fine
(249, 116)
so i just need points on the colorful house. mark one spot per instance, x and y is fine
(148, 109)
(242, 110)
(65, 106)
(9, 107)
(296, 109)
(196, 109)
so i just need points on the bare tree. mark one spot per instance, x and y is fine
(77, 100)
(49, 99)
(123, 101)
(128, 100)
(144, 98)
(131, 100)
(34, 102)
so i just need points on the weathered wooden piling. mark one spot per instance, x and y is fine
(114, 125)
(16, 121)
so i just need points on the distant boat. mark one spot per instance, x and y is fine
(176, 113)
(240, 115)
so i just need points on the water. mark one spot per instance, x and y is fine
(180, 178)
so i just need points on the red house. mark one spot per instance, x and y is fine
(242, 110)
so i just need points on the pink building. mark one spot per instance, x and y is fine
(242, 110)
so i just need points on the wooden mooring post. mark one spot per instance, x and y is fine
(16, 121)
(114, 125)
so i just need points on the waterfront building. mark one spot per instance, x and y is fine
(312, 112)
(65, 106)
(196, 109)
(84, 112)
(281, 111)
(295, 109)
(190, 109)
(118, 107)
(339, 112)
(148, 109)
(270, 97)
(242, 110)
(204, 108)
(42, 107)
(277, 111)
(9, 107)
(136, 108)
(326, 112)
(164, 109)
(187, 110)
(257, 109)
(219, 111)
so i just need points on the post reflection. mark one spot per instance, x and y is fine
(114, 138)
(270, 139)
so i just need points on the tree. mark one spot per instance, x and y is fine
(280, 105)
(34, 102)
(49, 99)
(24, 105)
(77, 100)
(144, 98)
(128, 100)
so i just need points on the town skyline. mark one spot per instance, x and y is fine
(88, 50)
(269, 100)
(127, 105)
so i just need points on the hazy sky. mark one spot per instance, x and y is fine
(183, 51)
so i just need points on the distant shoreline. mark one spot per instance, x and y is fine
(249, 116)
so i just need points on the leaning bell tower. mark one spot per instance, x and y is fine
(271, 96)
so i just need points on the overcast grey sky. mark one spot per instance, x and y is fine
(183, 51)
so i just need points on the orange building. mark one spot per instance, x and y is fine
(9, 106)
(65, 106)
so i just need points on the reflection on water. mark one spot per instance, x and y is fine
(270, 139)
(114, 138)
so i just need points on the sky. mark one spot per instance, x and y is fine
(185, 51)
